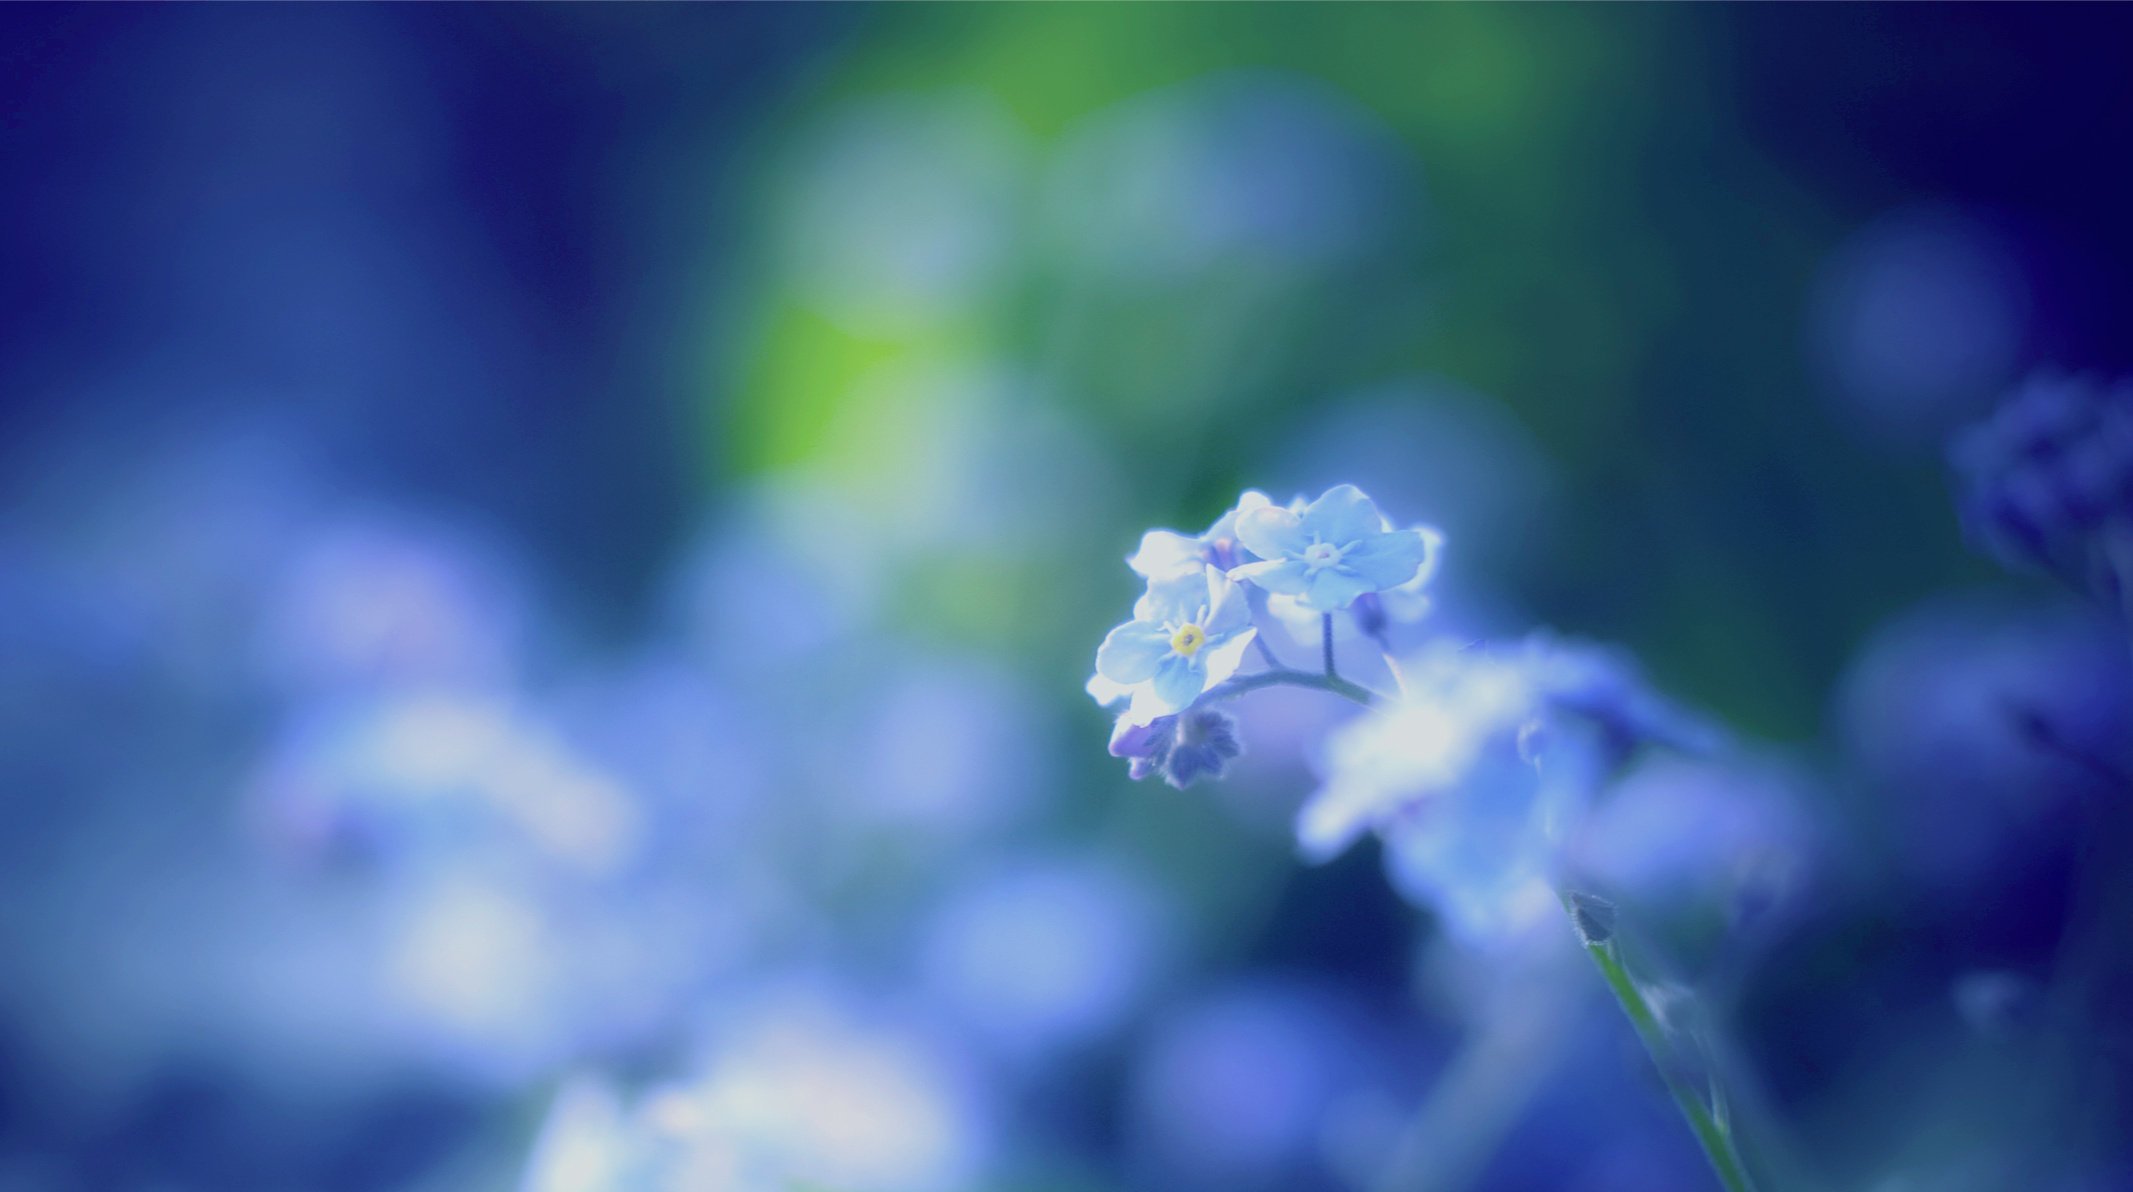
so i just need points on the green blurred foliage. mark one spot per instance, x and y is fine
(1599, 246)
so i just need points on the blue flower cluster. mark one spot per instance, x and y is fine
(1473, 773)
(2047, 482)
(1201, 611)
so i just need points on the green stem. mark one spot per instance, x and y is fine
(1714, 1136)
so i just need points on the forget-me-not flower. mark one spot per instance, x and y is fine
(1165, 554)
(1330, 552)
(1187, 634)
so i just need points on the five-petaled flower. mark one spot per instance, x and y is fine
(1187, 634)
(1330, 552)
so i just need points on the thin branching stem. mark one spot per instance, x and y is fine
(1266, 651)
(1232, 688)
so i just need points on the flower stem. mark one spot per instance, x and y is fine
(1266, 651)
(1712, 1133)
(1325, 621)
(1231, 688)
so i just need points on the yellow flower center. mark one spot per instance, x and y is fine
(1188, 639)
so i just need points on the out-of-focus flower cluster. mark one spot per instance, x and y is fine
(2047, 482)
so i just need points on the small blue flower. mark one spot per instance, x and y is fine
(1166, 554)
(1183, 749)
(1188, 633)
(1333, 550)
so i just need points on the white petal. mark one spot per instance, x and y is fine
(1131, 652)
(1285, 576)
(1222, 658)
(1165, 553)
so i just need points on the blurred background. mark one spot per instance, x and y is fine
(548, 557)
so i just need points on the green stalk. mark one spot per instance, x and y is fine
(1592, 917)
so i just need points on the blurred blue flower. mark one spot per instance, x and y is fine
(1164, 554)
(952, 749)
(1188, 633)
(1918, 318)
(1199, 743)
(1238, 1089)
(1475, 778)
(1977, 721)
(366, 599)
(430, 776)
(1732, 835)
(1333, 550)
(798, 1088)
(1605, 686)
(2047, 482)
(1468, 813)
(1046, 954)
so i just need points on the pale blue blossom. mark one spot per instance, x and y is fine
(1187, 634)
(1165, 554)
(1330, 552)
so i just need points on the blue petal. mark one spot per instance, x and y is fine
(1178, 681)
(1343, 515)
(1286, 576)
(1333, 589)
(1165, 553)
(1272, 532)
(1387, 560)
(1131, 652)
